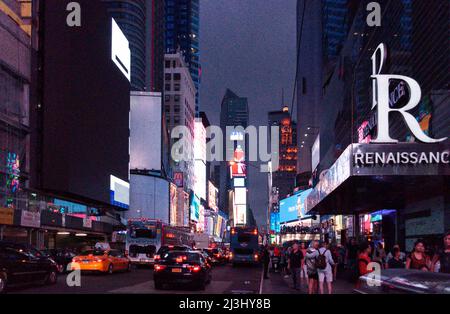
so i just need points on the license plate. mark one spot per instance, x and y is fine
(176, 270)
(86, 261)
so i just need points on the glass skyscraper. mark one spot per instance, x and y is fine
(182, 32)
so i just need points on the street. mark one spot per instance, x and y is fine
(226, 280)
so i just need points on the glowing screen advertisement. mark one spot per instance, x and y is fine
(120, 192)
(120, 50)
(293, 207)
(195, 208)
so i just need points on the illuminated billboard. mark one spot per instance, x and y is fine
(84, 127)
(200, 179)
(213, 194)
(195, 207)
(240, 215)
(293, 208)
(173, 204)
(120, 192)
(120, 50)
(240, 196)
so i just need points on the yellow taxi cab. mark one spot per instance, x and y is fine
(105, 261)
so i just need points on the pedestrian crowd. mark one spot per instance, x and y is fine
(318, 264)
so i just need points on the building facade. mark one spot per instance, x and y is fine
(233, 113)
(179, 109)
(414, 203)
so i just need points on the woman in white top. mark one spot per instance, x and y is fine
(327, 273)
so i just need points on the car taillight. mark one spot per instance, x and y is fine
(195, 268)
(157, 257)
(231, 255)
(159, 267)
(99, 260)
(256, 256)
(75, 260)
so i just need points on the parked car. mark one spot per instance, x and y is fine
(23, 264)
(182, 267)
(62, 258)
(108, 261)
(404, 281)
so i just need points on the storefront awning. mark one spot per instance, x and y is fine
(375, 176)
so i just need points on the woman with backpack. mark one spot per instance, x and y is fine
(311, 257)
(325, 264)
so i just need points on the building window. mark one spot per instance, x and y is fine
(176, 109)
(177, 98)
(177, 76)
(167, 97)
(177, 87)
(167, 87)
(167, 64)
(168, 76)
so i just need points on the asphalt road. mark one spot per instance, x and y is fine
(225, 279)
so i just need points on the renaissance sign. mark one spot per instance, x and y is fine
(382, 100)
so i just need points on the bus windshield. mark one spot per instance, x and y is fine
(141, 230)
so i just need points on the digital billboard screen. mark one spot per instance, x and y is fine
(82, 122)
(288, 209)
(293, 208)
(195, 208)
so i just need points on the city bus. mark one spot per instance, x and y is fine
(244, 245)
(145, 236)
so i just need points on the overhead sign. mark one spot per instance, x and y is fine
(30, 219)
(382, 101)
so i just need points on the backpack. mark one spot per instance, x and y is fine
(321, 260)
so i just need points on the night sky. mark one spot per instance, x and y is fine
(249, 47)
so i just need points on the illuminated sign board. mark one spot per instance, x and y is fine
(240, 215)
(238, 182)
(120, 50)
(173, 204)
(195, 208)
(240, 196)
(212, 196)
(119, 192)
(237, 136)
(238, 169)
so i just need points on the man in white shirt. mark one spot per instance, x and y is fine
(327, 273)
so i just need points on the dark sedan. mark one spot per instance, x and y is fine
(178, 267)
(404, 281)
(22, 265)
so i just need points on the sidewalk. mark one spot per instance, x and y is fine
(278, 284)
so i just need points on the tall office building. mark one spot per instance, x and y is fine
(284, 179)
(182, 33)
(234, 112)
(179, 107)
(142, 21)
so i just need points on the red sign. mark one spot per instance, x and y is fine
(238, 169)
(178, 179)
